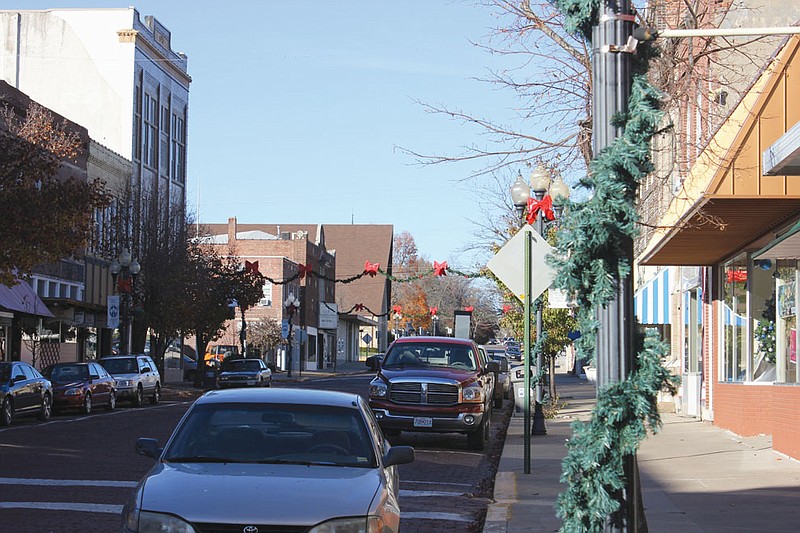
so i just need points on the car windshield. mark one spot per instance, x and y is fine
(431, 354)
(120, 366)
(69, 373)
(273, 434)
(241, 366)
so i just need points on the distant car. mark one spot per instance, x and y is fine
(497, 353)
(23, 391)
(81, 386)
(244, 373)
(137, 377)
(271, 460)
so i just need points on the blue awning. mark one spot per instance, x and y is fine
(22, 299)
(652, 300)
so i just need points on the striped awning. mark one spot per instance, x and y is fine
(652, 300)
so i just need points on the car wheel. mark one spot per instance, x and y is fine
(6, 413)
(478, 439)
(139, 398)
(86, 408)
(47, 408)
(112, 401)
(154, 399)
(269, 382)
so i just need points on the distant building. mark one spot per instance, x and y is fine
(117, 76)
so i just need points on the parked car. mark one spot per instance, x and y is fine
(317, 458)
(244, 373)
(81, 386)
(435, 384)
(23, 391)
(137, 377)
(502, 381)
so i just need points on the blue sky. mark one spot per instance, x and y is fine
(297, 110)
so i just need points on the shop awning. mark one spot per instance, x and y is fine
(787, 246)
(22, 299)
(652, 301)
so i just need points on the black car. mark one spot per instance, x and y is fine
(23, 391)
(244, 373)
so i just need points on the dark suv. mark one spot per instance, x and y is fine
(435, 384)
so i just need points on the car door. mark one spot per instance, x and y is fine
(100, 385)
(22, 388)
(145, 375)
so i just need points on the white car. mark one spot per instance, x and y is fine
(137, 377)
(252, 459)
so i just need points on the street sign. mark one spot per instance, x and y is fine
(285, 329)
(367, 338)
(509, 264)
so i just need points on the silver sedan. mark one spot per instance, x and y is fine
(266, 459)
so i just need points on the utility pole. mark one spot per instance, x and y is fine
(611, 72)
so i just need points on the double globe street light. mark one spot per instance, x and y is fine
(550, 193)
(291, 304)
(124, 270)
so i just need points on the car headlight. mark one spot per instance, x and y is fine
(124, 383)
(473, 393)
(362, 524)
(72, 391)
(378, 389)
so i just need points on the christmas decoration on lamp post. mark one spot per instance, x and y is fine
(292, 304)
(124, 270)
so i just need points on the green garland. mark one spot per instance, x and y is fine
(591, 259)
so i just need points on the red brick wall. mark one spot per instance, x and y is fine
(749, 410)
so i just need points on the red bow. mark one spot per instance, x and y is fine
(434, 310)
(469, 309)
(371, 268)
(251, 267)
(545, 204)
(397, 309)
(125, 285)
(506, 308)
(305, 269)
(358, 307)
(440, 269)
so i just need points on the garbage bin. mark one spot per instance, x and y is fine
(517, 376)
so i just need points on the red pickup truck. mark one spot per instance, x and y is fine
(435, 384)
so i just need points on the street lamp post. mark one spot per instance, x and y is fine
(292, 304)
(124, 270)
(521, 197)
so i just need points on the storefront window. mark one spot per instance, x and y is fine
(734, 320)
(762, 314)
(786, 326)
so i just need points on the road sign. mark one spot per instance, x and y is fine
(285, 329)
(509, 264)
(367, 338)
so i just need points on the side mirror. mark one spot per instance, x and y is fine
(17, 378)
(145, 370)
(93, 377)
(372, 363)
(493, 366)
(399, 455)
(148, 447)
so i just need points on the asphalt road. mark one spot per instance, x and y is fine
(73, 473)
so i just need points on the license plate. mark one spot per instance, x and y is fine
(423, 422)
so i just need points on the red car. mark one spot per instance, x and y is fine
(81, 386)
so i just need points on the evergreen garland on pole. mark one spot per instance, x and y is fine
(590, 260)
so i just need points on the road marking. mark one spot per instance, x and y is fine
(450, 517)
(63, 506)
(420, 493)
(66, 482)
(411, 481)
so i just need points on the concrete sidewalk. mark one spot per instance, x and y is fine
(695, 477)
